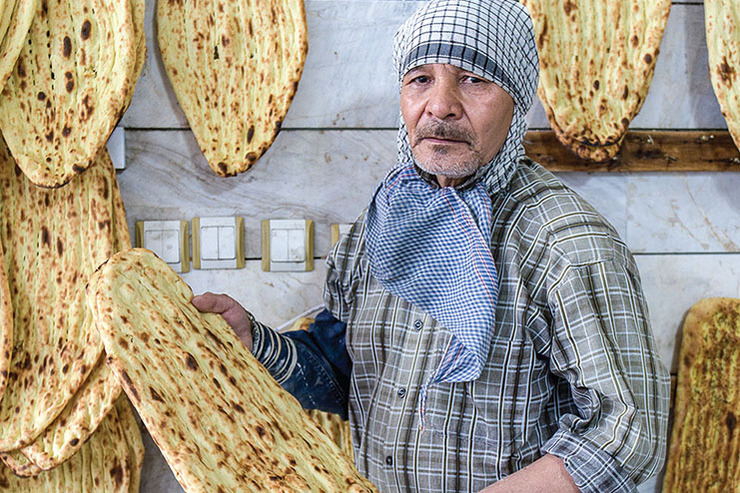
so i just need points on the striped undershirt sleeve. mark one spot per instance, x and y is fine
(276, 353)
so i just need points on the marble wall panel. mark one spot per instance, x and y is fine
(673, 283)
(348, 79)
(683, 212)
(326, 176)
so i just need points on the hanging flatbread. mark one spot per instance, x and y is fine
(52, 240)
(79, 419)
(15, 20)
(722, 21)
(221, 421)
(705, 441)
(104, 464)
(596, 63)
(68, 88)
(138, 10)
(235, 67)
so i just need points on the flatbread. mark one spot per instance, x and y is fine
(596, 63)
(133, 440)
(53, 240)
(705, 441)
(722, 21)
(234, 67)
(102, 464)
(79, 419)
(138, 10)
(15, 21)
(221, 421)
(68, 88)
(19, 464)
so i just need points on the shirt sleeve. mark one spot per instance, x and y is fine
(611, 434)
(312, 365)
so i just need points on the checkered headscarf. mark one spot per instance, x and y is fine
(493, 39)
(431, 245)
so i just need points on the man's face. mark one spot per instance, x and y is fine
(456, 121)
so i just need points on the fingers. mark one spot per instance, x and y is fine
(214, 303)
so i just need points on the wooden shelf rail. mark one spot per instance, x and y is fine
(644, 150)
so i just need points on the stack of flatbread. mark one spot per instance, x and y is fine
(70, 85)
(58, 388)
(596, 63)
(234, 67)
(221, 421)
(15, 20)
(705, 442)
(722, 20)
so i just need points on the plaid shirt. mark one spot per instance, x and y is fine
(572, 369)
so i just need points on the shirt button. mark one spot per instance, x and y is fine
(389, 460)
(418, 324)
(401, 392)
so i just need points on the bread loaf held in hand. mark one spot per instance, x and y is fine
(221, 421)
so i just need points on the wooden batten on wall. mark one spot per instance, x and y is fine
(644, 150)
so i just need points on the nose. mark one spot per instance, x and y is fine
(444, 100)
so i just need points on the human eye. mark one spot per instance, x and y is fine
(473, 79)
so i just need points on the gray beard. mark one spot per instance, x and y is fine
(451, 170)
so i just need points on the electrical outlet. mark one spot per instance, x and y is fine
(287, 245)
(218, 243)
(168, 240)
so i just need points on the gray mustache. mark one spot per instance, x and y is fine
(443, 130)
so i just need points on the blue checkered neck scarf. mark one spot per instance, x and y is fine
(430, 245)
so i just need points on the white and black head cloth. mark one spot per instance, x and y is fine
(493, 39)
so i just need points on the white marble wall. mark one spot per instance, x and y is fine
(339, 139)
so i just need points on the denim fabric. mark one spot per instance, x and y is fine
(320, 375)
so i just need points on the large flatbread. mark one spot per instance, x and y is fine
(133, 440)
(104, 463)
(138, 10)
(79, 419)
(235, 67)
(596, 63)
(52, 240)
(722, 21)
(221, 421)
(15, 21)
(69, 87)
(19, 464)
(704, 453)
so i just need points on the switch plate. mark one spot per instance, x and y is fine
(287, 245)
(338, 230)
(218, 242)
(117, 147)
(168, 240)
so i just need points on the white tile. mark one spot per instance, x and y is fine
(683, 212)
(673, 283)
(607, 192)
(349, 81)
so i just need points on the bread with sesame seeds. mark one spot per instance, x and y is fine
(234, 67)
(596, 63)
(705, 440)
(221, 421)
(69, 87)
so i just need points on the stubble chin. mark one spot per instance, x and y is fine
(444, 163)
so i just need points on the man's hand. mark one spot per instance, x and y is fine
(545, 475)
(234, 314)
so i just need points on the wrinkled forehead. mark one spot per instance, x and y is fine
(493, 39)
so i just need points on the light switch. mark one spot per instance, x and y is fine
(338, 230)
(218, 243)
(287, 245)
(168, 240)
(117, 147)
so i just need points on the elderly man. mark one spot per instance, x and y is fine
(485, 328)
